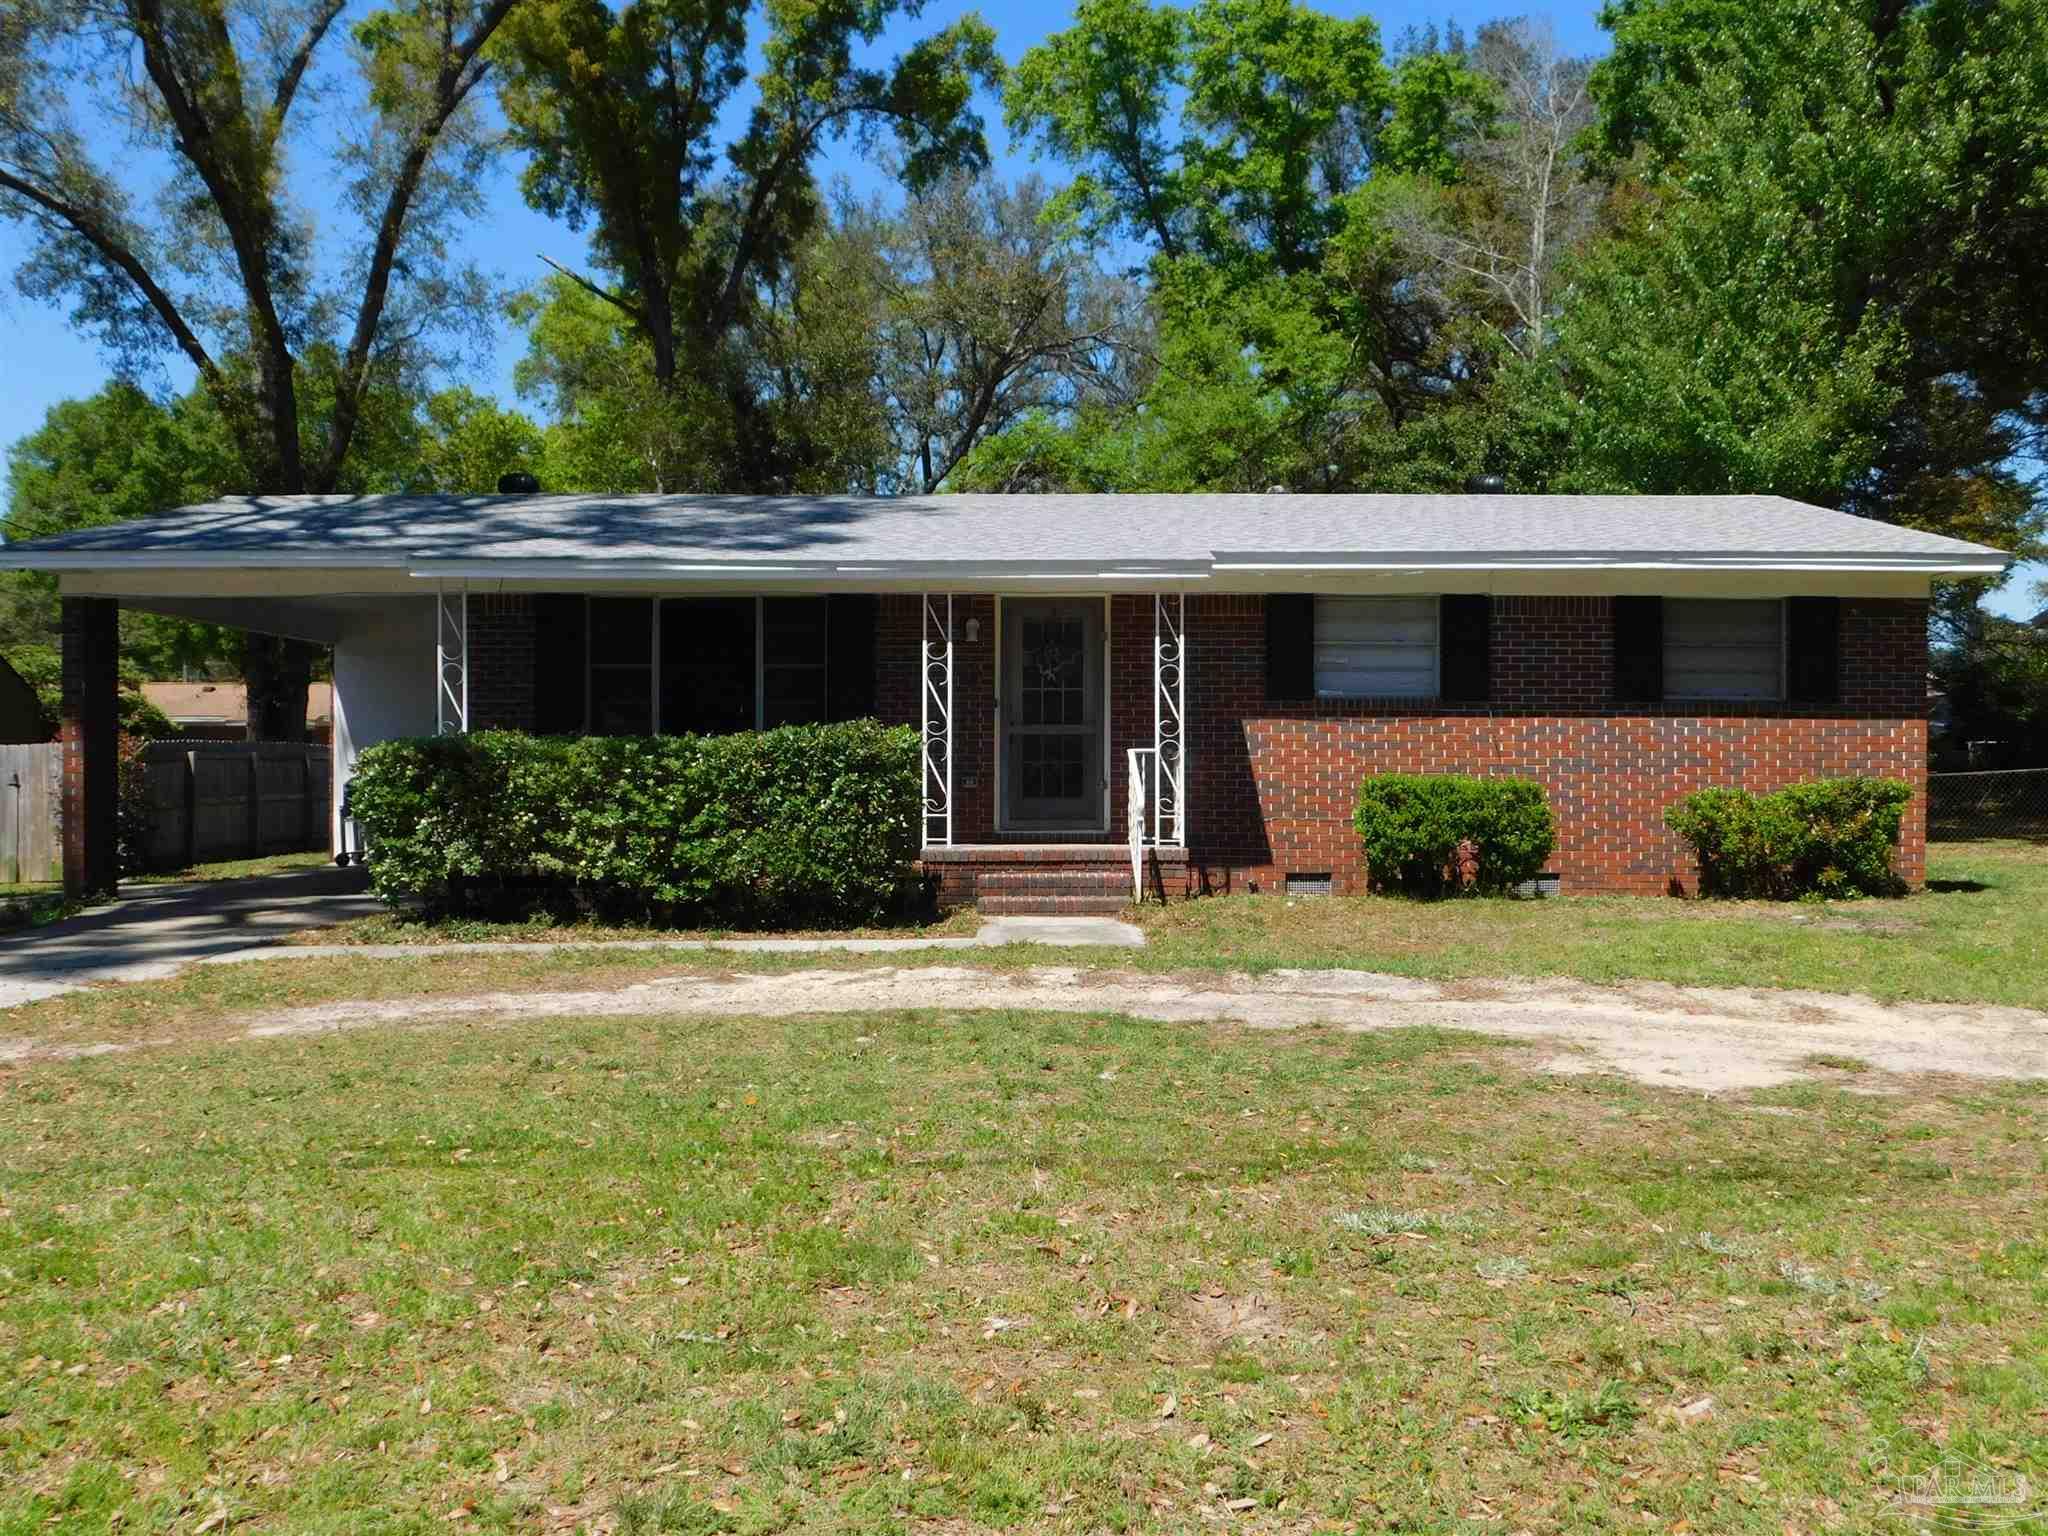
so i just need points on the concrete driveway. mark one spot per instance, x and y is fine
(152, 930)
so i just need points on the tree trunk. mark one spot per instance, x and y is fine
(279, 675)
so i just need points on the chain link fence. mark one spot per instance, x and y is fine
(2000, 802)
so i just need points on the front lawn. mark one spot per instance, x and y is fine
(236, 869)
(922, 1272)
(1979, 933)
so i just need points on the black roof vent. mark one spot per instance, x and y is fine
(518, 483)
(1487, 485)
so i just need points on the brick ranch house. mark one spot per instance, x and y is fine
(1229, 666)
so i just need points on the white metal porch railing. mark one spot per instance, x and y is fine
(1148, 815)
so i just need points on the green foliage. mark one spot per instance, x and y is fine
(193, 237)
(1432, 834)
(466, 442)
(1864, 185)
(802, 824)
(134, 812)
(42, 668)
(1832, 837)
(1995, 681)
(1246, 143)
(699, 243)
(112, 456)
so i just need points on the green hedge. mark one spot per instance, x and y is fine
(1833, 837)
(802, 824)
(1419, 828)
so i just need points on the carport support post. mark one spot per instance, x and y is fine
(90, 733)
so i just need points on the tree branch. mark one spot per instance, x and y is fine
(117, 254)
(302, 56)
(624, 306)
(460, 74)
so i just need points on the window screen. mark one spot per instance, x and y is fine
(1376, 647)
(707, 665)
(792, 660)
(1724, 648)
(621, 666)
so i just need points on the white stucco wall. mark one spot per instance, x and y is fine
(383, 685)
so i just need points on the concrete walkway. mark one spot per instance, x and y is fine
(154, 930)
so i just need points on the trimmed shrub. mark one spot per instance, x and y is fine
(804, 823)
(1430, 834)
(1832, 837)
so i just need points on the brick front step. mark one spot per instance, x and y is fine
(1101, 905)
(1090, 881)
(1037, 879)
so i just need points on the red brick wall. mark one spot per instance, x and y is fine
(1271, 783)
(501, 639)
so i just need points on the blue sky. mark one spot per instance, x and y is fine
(42, 361)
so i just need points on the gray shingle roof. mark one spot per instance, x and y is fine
(1106, 530)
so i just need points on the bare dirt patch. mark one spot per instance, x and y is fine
(1707, 1039)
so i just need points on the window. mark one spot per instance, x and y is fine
(1724, 648)
(707, 665)
(1376, 647)
(792, 660)
(621, 666)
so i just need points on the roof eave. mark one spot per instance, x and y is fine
(1963, 562)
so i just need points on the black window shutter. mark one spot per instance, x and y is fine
(850, 619)
(1639, 649)
(1813, 647)
(1465, 647)
(561, 635)
(1290, 646)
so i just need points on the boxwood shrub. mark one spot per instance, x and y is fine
(1832, 837)
(801, 824)
(1433, 834)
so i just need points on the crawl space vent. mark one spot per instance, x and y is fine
(1542, 885)
(1308, 885)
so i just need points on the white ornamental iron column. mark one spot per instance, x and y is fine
(1169, 719)
(451, 659)
(935, 673)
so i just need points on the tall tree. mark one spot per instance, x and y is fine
(1903, 148)
(1247, 146)
(1514, 199)
(988, 310)
(219, 263)
(620, 111)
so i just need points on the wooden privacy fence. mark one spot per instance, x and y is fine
(214, 800)
(31, 849)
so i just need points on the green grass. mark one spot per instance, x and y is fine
(410, 928)
(931, 1272)
(237, 869)
(1978, 934)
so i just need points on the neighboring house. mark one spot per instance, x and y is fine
(220, 711)
(21, 712)
(1240, 661)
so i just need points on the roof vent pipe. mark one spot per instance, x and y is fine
(1486, 485)
(518, 483)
